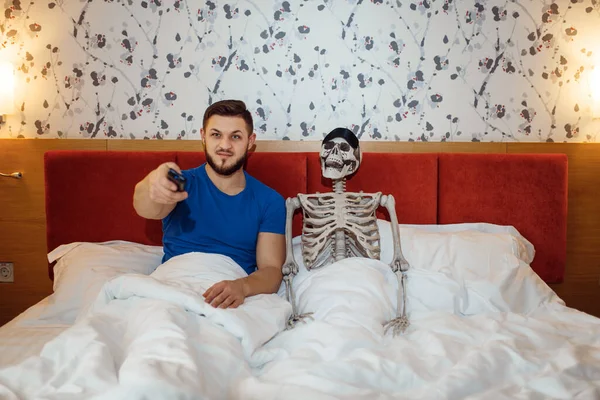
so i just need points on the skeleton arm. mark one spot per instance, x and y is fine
(399, 266)
(290, 267)
(398, 262)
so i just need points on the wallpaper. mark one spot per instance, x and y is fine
(428, 70)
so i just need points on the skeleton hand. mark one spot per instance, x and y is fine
(397, 325)
(295, 318)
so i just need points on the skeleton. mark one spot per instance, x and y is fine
(342, 224)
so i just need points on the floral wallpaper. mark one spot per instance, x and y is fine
(423, 70)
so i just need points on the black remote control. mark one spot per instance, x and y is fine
(177, 179)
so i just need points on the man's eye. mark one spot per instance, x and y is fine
(236, 137)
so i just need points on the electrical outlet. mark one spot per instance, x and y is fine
(7, 272)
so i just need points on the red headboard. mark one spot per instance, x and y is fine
(528, 192)
(89, 194)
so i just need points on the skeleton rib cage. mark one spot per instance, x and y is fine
(339, 225)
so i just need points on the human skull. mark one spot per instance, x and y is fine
(338, 158)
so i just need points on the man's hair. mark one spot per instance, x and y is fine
(230, 108)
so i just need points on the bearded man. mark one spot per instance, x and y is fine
(221, 209)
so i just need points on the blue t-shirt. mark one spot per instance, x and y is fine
(210, 221)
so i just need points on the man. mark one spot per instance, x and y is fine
(223, 209)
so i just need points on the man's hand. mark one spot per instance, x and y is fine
(156, 196)
(226, 294)
(160, 189)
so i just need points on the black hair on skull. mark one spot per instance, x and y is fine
(347, 134)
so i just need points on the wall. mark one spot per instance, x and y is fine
(23, 228)
(390, 70)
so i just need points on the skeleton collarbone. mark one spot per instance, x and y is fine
(339, 225)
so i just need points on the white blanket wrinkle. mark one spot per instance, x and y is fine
(154, 337)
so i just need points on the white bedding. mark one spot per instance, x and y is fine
(22, 338)
(153, 337)
(483, 326)
(497, 356)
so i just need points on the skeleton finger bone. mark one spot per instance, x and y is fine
(397, 325)
(295, 319)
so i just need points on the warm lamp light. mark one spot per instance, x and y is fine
(595, 91)
(7, 100)
(595, 84)
(7, 89)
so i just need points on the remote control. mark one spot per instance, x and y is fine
(177, 179)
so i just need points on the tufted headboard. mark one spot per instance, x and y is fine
(89, 194)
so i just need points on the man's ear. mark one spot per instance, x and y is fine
(251, 140)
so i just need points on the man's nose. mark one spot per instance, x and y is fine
(225, 143)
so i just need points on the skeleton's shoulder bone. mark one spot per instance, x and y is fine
(292, 202)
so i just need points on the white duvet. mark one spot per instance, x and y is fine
(153, 337)
(498, 335)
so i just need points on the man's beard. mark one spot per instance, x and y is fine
(223, 170)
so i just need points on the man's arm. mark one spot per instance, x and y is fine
(270, 255)
(156, 196)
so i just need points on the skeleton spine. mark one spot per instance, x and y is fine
(339, 251)
(339, 186)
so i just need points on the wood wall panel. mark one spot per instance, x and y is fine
(387, 147)
(23, 219)
(154, 145)
(22, 215)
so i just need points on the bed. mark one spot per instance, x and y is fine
(484, 234)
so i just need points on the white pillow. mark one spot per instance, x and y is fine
(82, 268)
(522, 248)
(468, 273)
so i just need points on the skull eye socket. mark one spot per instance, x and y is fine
(330, 145)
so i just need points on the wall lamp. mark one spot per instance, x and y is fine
(16, 175)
